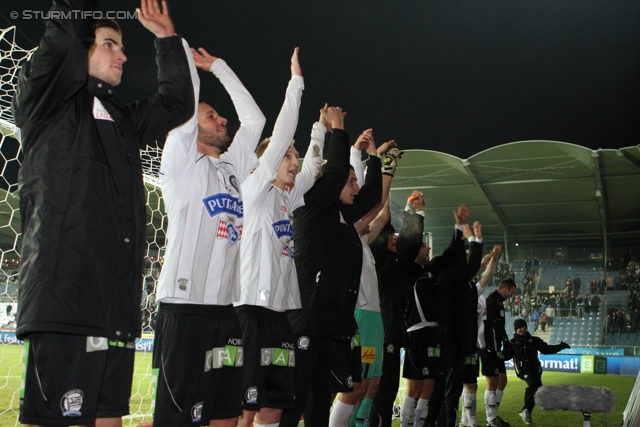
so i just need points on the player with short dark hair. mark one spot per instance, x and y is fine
(82, 204)
(526, 363)
(492, 355)
(198, 349)
(328, 263)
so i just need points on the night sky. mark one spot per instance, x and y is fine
(452, 76)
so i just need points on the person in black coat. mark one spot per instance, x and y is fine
(525, 350)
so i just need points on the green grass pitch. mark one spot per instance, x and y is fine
(11, 374)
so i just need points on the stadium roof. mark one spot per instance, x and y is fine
(528, 191)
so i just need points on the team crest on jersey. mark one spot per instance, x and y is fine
(350, 381)
(196, 412)
(223, 203)
(425, 371)
(251, 395)
(71, 403)
(303, 343)
(228, 230)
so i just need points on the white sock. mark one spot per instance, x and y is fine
(490, 404)
(407, 410)
(464, 419)
(469, 405)
(422, 409)
(499, 394)
(340, 414)
(255, 424)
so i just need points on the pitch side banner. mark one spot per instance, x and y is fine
(556, 363)
(142, 344)
(594, 351)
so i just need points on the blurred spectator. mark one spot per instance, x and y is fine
(601, 285)
(587, 305)
(543, 321)
(595, 304)
(617, 282)
(594, 287)
(577, 283)
(609, 282)
(551, 313)
(579, 306)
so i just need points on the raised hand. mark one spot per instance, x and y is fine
(497, 250)
(334, 115)
(363, 139)
(296, 70)
(324, 121)
(390, 158)
(154, 19)
(202, 58)
(462, 214)
(385, 146)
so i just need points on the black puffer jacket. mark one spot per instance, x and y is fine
(82, 200)
(525, 350)
(328, 248)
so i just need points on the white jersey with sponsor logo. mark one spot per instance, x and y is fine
(268, 273)
(203, 200)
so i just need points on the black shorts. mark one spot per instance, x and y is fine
(471, 369)
(356, 358)
(269, 358)
(197, 364)
(344, 365)
(492, 364)
(422, 357)
(74, 379)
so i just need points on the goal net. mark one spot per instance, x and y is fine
(11, 59)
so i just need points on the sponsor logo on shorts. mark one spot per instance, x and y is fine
(433, 352)
(229, 355)
(368, 354)
(196, 412)
(251, 395)
(425, 371)
(234, 341)
(97, 344)
(350, 381)
(71, 403)
(289, 345)
(277, 356)
(355, 341)
(390, 348)
(303, 343)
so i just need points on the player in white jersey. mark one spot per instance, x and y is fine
(269, 283)
(198, 350)
(471, 368)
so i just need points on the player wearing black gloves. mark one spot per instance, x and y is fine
(525, 350)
